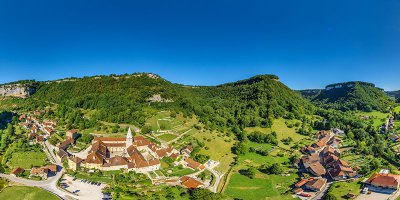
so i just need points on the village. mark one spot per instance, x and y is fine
(321, 166)
(132, 153)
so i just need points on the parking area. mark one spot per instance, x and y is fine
(374, 196)
(375, 193)
(84, 189)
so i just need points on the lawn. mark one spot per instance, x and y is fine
(26, 193)
(27, 159)
(341, 189)
(167, 137)
(261, 187)
(177, 171)
(3, 183)
(281, 130)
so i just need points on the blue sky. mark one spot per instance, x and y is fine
(308, 44)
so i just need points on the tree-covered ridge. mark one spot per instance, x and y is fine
(395, 95)
(252, 102)
(21, 82)
(353, 96)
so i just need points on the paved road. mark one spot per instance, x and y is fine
(218, 178)
(50, 184)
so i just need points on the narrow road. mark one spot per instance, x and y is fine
(51, 183)
(218, 178)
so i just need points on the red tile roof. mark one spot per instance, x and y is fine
(384, 180)
(190, 183)
(316, 184)
(95, 158)
(318, 169)
(118, 161)
(17, 171)
(192, 164)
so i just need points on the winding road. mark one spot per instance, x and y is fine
(51, 183)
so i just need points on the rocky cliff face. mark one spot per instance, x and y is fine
(17, 90)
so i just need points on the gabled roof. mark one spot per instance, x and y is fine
(192, 164)
(100, 148)
(190, 183)
(39, 170)
(118, 160)
(318, 169)
(94, 158)
(316, 183)
(65, 143)
(75, 159)
(384, 180)
(61, 153)
(17, 171)
(303, 182)
(112, 139)
(52, 168)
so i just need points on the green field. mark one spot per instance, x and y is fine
(378, 117)
(27, 159)
(167, 137)
(341, 189)
(261, 187)
(281, 130)
(219, 147)
(26, 193)
(177, 171)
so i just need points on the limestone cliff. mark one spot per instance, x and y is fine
(17, 90)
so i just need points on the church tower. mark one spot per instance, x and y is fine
(129, 138)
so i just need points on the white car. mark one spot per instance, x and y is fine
(365, 190)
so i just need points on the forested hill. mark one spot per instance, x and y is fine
(395, 94)
(353, 96)
(133, 98)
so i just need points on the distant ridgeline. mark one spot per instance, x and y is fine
(21, 89)
(354, 95)
(395, 95)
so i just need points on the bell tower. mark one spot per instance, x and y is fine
(129, 138)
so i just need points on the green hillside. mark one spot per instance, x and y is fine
(353, 96)
(125, 99)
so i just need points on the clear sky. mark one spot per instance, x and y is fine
(308, 44)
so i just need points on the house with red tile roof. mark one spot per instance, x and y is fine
(316, 184)
(384, 181)
(17, 171)
(193, 164)
(190, 183)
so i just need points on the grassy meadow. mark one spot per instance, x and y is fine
(27, 159)
(26, 193)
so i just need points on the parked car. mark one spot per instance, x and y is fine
(365, 190)
(304, 195)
